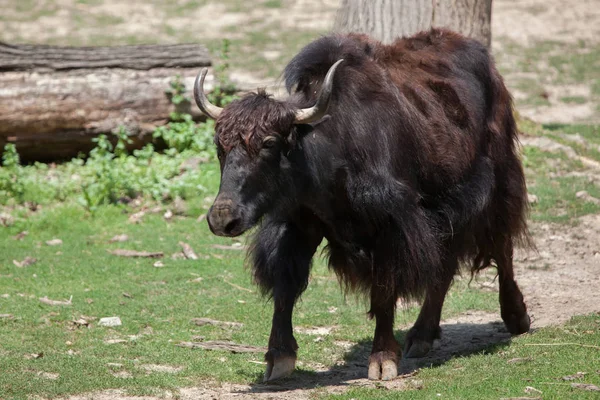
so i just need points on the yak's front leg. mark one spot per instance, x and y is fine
(383, 362)
(282, 256)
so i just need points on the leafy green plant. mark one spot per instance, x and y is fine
(176, 91)
(10, 174)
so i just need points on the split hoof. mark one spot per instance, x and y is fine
(279, 368)
(383, 366)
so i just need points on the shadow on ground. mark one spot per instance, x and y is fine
(458, 340)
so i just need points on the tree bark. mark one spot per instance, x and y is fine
(58, 58)
(387, 20)
(54, 100)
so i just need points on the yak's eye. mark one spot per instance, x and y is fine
(269, 142)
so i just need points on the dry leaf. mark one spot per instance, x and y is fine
(577, 375)
(26, 262)
(81, 322)
(125, 294)
(161, 368)
(115, 341)
(201, 218)
(34, 356)
(119, 238)
(223, 346)
(6, 316)
(214, 322)
(586, 386)
(520, 398)
(136, 218)
(21, 235)
(188, 252)
(135, 253)
(519, 360)
(531, 389)
(54, 242)
(110, 321)
(177, 256)
(48, 375)
(49, 302)
(6, 219)
(158, 264)
(235, 246)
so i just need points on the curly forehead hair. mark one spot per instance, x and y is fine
(252, 118)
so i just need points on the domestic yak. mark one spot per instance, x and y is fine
(402, 156)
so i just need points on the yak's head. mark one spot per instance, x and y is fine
(254, 137)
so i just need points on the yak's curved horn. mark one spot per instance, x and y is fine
(204, 105)
(316, 112)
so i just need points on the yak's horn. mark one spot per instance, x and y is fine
(316, 112)
(204, 105)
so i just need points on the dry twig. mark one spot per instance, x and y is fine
(223, 346)
(46, 300)
(134, 253)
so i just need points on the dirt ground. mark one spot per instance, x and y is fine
(561, 280)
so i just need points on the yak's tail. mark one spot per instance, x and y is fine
(507, 215)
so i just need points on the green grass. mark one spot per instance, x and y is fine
(157, 304)
(539, 360)
(157, 308)
(550, 175)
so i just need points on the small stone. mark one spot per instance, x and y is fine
(532, 198)
(110, 321)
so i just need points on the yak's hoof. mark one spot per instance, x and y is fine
(279, 367)
(517, 325)
(417, 348)
(383, 365)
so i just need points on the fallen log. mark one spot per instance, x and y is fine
(54, 100)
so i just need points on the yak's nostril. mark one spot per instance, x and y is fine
(232, 225)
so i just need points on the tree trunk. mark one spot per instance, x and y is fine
(387, 20)
(54, 100)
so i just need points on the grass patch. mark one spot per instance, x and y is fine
(557, 201)
(547, 360)
(154, 304)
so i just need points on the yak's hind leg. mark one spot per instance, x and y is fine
(512, 307)
(282, 255)
(383, 362)
(419, 339)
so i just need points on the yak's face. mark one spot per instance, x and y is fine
(254, 135)
(253, 141)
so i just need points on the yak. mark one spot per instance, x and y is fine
(403, 156)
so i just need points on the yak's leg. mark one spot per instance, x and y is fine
(281, 356)
(383, 362)
(512, 307)
(419, 339)
(282, 254)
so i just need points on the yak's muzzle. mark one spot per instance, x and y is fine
(225, 218)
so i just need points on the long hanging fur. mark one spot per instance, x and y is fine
(417, 159)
